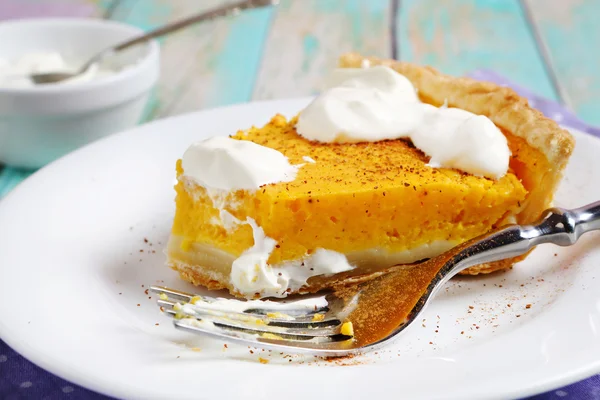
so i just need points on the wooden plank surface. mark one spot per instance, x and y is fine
(213, 63)
(570, 33)
(307, 37)
(458, 36)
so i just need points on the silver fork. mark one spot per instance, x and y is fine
(322, 330)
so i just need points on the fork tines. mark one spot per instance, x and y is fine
(269, 324)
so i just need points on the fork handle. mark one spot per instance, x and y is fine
(556, 225)
(563, 227)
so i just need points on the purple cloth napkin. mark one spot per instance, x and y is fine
(20, 379)
(17, 9)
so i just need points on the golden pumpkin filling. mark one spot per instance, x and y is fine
(355, 197)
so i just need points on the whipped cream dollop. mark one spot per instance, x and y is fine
(364, 107)
(228, 164)
(378, 103)
(15, 73)
(456, 138)
(251, 274)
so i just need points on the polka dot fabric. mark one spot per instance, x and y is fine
(20, 379)
(588, 389)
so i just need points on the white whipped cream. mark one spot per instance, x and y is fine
(228, 164)
(366, 106)
(15, 73)
(456, 138)
(251, 274)
(373, 104)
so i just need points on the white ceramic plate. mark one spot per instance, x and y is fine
(74, 264)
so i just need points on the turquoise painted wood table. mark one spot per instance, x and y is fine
(547, 47)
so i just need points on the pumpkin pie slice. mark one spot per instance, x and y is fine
(354, 209)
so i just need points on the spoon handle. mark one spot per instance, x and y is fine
(175, 26)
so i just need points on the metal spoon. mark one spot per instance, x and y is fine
(235, 8)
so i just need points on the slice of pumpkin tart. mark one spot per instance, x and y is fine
(277, 210)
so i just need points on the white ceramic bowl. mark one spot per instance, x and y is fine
(39, 124)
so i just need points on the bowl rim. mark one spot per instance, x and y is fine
(151, 56)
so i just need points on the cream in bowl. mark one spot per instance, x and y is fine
(39, 123)
(16, 73)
